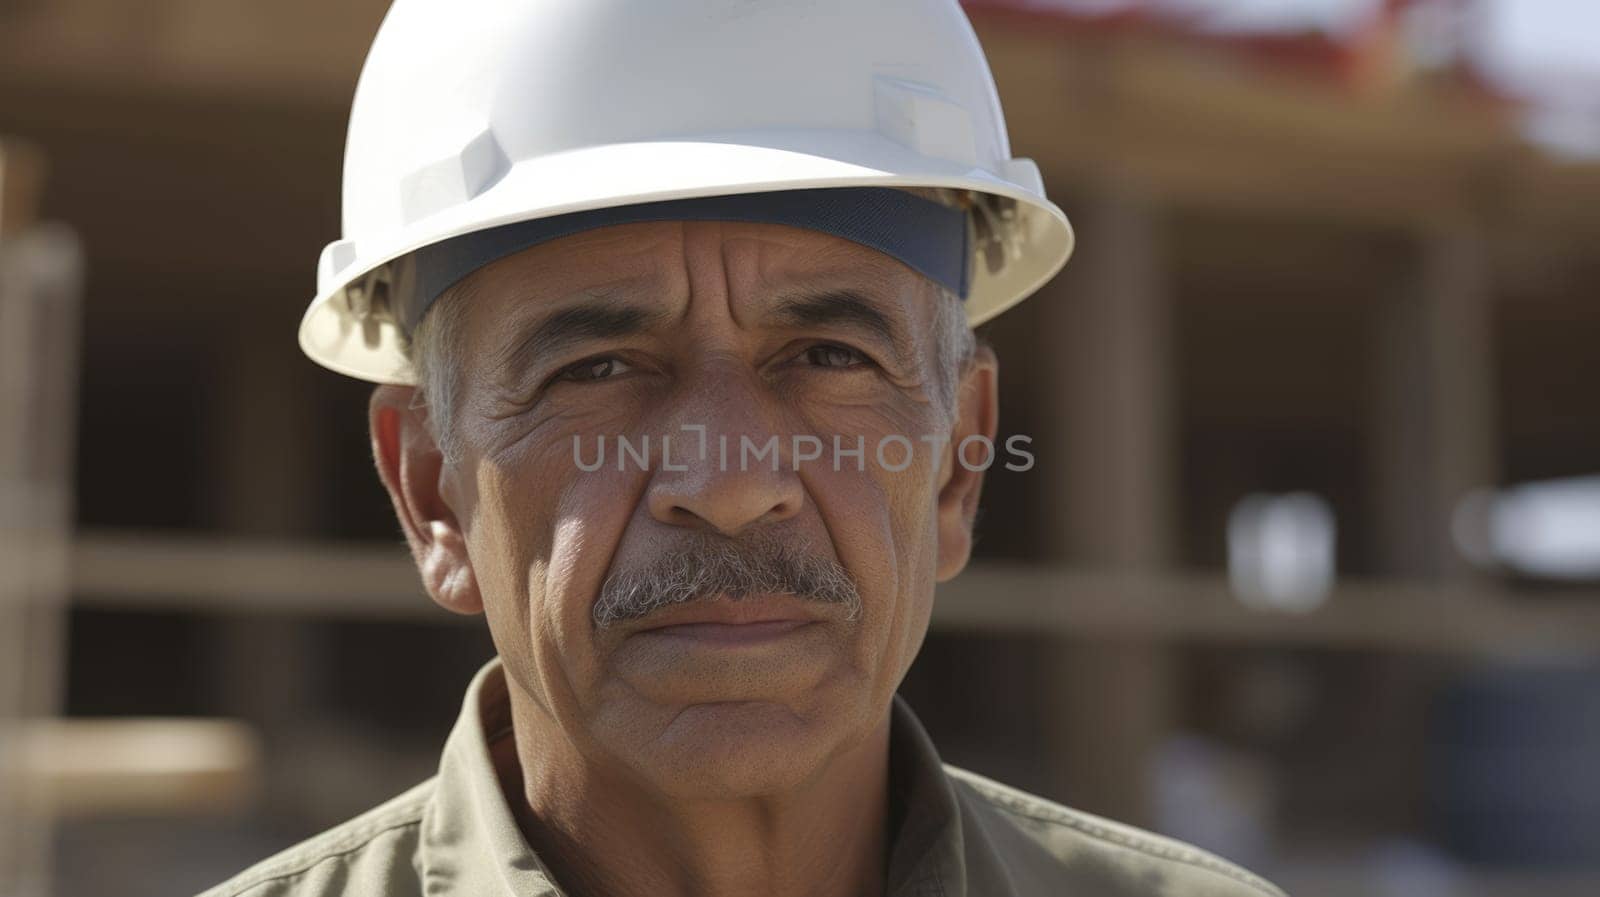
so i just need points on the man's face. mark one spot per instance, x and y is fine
(719, 337)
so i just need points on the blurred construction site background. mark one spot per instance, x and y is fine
(1307, 571)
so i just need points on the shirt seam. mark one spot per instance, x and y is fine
(340, 848)
(1026, 810)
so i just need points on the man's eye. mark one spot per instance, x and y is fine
(828, 355)
(591, 369)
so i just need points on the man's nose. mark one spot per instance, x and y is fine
(730, 466)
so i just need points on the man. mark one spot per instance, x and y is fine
(671, 302)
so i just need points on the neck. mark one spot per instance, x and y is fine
(604, 834)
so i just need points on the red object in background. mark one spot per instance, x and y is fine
(1355, 58)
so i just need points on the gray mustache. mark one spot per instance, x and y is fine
(704, 566)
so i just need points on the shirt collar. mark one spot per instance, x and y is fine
(470, 842)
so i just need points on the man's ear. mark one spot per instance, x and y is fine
(412, 469)
(977, 414)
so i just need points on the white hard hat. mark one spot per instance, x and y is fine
(473, 114)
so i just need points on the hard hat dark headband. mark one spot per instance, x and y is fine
(929, 237)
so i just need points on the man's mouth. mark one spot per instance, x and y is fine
(749, 620)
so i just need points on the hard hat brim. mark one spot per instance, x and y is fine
(333, 335)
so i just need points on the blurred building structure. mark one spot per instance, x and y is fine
(1319, 255)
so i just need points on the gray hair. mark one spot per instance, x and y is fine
(435, 347)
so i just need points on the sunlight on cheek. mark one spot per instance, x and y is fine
(565, 551)
(554, 585)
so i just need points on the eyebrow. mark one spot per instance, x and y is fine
(595, 319)
(844, 307)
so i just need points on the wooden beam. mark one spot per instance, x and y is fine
(94, 767)
(130, 571)
(1200, 128)
(117, 569)
(302, 49)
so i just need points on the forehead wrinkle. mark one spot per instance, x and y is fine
(795, 253)
(795, 257)
(622, 260)
(618, 253)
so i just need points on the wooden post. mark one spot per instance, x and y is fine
(39, 295)
(1109, 462)
(1436, 429)
(263, 668)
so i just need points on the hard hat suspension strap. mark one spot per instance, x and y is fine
(927, 236)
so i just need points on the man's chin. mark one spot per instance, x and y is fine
(679, 666)
(733, 749)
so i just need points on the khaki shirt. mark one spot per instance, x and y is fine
(961, 834)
